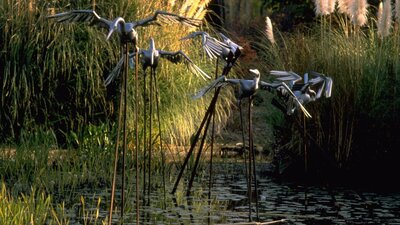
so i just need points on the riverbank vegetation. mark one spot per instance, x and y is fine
(354, 130)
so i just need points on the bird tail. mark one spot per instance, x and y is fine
(115, 72)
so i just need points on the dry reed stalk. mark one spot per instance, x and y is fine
(269, 30)
(379, 13)
(331, 6)
(359, 10)
(321, 7)
(192, 9)
(397, 11)
(343, 6)
(385, 19)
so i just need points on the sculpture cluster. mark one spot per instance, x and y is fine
(287, 84)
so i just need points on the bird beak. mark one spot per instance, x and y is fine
(110, 33)
(254, 71)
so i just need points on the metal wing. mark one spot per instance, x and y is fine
(286, 76)
(328, 88)
(82, 16)
(115, 72)
(326, 84)
(211, 46)
(166, 18)
(179, 56)
(219, 82)
(117, 69)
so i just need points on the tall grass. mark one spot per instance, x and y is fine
(52, 74)
(354, 125)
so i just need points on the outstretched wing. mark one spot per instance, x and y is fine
(81, 16)
(269, 86)
(179, 56)
(166, 18)
(286, 76)
(219, 82)
(211, 45)
(324, 82)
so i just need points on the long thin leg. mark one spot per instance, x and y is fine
(137, 132)
(305, 144)
(251, 146)
(248, 166)
(195, 139)
(116, 154)
(161, 149)
(152, 73)
(243, 139)
(124, 132)
(144, 137)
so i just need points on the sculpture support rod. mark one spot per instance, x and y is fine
(195, 139)
(116, 154)
(125, 82)
(196, 163)
(137, 132)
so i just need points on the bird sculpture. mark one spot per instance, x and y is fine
(227, 50)
(304, 92)
(231, 56)
(212, 46)
(126, 30)
(150, 58)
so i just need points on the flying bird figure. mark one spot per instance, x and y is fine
(150, 58)
(212, 46)
(231, 56)
(226, 49)
(304, 92)
(126, 30)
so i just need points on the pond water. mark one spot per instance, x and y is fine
(289, 202)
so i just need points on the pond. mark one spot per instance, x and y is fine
(288, 203)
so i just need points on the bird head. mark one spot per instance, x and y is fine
(114, 26)
(255, 72)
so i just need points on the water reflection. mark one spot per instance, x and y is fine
(295, 203)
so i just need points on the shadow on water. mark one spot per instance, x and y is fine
(295, 203)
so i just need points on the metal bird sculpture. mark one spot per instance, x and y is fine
(150, 58)
(212, 46)
(231, 56)
(226, 49)
(126, 30)
(304, 92)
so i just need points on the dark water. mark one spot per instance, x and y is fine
(291, 202)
